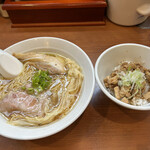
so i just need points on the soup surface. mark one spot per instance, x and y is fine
(45, 91)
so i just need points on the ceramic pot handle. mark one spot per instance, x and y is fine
(144, 9)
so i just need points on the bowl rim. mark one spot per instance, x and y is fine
(75, 117)
(102, 86)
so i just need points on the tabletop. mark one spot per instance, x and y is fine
(104, 125)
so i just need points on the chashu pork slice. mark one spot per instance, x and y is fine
(43, 62)
(22, 103)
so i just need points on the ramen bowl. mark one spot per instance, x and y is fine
(67, 49)
(112, 57)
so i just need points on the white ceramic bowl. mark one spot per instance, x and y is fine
(111, 57)
(67, 49)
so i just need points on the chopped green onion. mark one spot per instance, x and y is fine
(30, 91)
(41, 81)
(135, 79)
(129, 68)
(23, 88)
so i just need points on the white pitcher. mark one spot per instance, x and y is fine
(128, 12)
